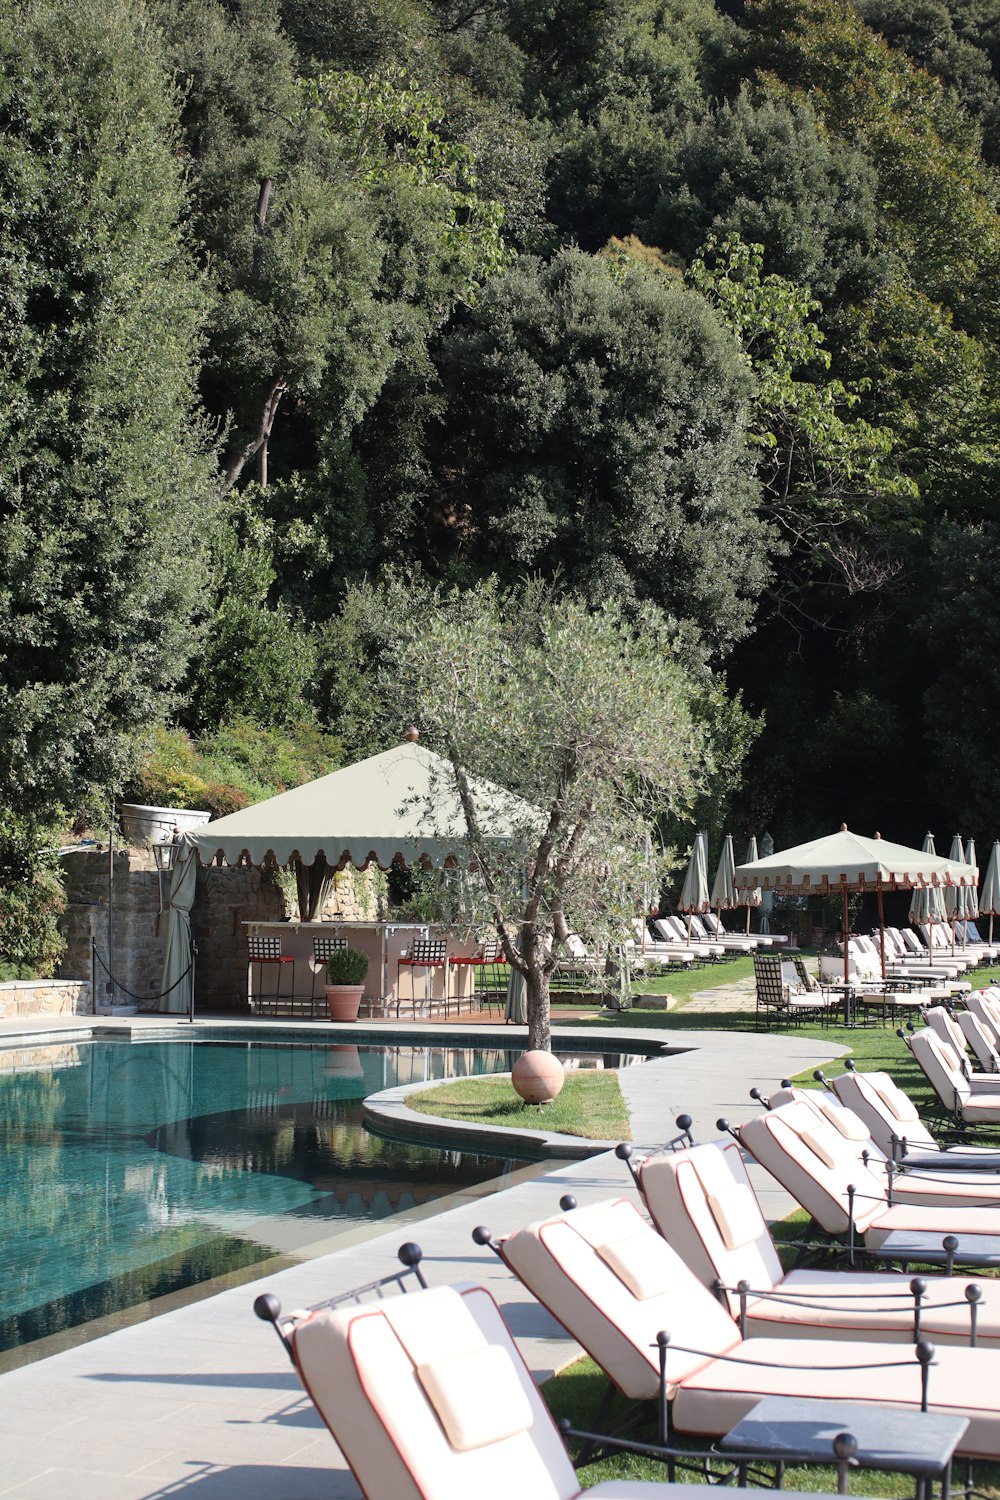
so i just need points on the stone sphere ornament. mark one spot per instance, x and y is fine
(537, 1077)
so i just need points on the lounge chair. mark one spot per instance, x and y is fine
(985, 1006)
(850, 1198)
(672, 929)
(428, 1398)
(715, 929)
(892, 1119)
(702, 1202)
(907, 1181)
(969, 1101)
(732, 942)
(628, 1298)
(662, 955)
(978, 1041)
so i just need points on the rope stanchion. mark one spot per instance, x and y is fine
(117, 984)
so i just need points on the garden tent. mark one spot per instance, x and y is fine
(848, 861)
(403, 804)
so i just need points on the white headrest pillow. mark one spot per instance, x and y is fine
(478, 1398)
(642, 1262)
(736, 1212)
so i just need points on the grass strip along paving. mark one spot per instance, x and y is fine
(590, 1105)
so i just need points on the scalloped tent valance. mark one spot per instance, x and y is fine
(851, 860)
(403, 803)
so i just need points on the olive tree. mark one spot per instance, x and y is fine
(585, 715)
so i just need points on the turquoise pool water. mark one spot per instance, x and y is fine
(131, 1170)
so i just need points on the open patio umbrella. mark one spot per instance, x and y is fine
(989, 898)
(723, 894)
(848, 862)
(694, 892)
(755, 895)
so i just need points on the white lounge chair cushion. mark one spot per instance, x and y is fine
(477, 1397)
(737, 1214)
(920, 1219)
(715, 1398)
(637, 1262)
(874, 1305)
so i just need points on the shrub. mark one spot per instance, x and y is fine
(31, 900)
(237, 764)
(346, 966)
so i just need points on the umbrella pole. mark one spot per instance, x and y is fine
(846, 944)
(881, 932)
(748, 922)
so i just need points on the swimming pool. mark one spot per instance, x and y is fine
(131, 1170)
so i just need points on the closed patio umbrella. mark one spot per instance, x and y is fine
(694, 892)
(755, 895)
(723, 893)
(927, 905)
(971, 895)
(954, 897)
(989, 899)
(767, 897)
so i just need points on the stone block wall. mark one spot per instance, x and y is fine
(43, 997)
(225, 898)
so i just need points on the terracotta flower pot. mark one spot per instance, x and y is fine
(343, 1001)
(537, 1077)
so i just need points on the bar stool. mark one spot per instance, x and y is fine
(427, 954)
(494, 983)
(266, 951)
(323, 948)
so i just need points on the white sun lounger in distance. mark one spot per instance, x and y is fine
(621, 1291)
(849, 1198)
(970, 1100)
(702, 1202)
(892, 1119)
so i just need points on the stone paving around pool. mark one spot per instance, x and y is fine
(202, 1403)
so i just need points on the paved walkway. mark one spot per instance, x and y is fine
(202, 1403)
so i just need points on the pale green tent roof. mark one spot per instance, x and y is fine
(403, 802)
(849, 858)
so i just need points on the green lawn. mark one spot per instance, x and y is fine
(590, 1105)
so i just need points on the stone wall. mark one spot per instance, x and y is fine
(225, 898)
(43, 997)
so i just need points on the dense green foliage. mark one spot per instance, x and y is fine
(685, 303)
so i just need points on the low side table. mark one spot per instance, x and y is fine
(953, 1250)
(910, 1442)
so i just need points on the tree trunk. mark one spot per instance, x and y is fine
(539, 1030)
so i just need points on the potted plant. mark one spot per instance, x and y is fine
(345, 983)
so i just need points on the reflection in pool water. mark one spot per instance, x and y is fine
(132, 1170)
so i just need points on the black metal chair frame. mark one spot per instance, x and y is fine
(265, 952)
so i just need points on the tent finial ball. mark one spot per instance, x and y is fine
(412, 734)
(844, 828)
